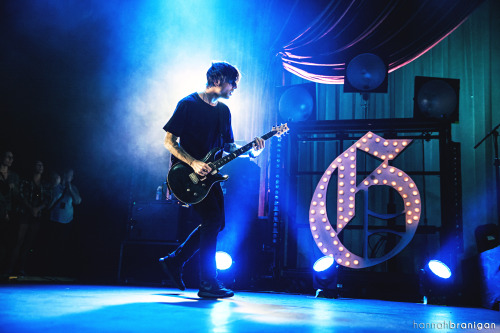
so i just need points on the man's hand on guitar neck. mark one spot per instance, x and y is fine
(200, 168)
(259, 143)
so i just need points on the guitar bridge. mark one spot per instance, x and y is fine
(194, 178)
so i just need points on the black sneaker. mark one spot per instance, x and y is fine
(173, 269)
(214, 289)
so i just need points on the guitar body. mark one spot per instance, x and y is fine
(189, 187)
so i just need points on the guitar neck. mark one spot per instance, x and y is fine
(228, 158)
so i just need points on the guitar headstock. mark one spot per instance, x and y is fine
(281, 129)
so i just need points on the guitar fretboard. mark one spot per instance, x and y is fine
(228, 158)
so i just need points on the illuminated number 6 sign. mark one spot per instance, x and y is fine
(325, 233)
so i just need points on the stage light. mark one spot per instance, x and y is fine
(436, 283)
(223, 260)
(323, 263)
(440, 269)
(325, 277)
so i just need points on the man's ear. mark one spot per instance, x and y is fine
(217, 83)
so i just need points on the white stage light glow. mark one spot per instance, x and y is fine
(223, 260)
(440, 269)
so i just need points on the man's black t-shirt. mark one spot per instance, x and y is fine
(197, 124)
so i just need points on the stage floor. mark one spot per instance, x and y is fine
(95, 308)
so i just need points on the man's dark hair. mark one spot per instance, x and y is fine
(222, 72)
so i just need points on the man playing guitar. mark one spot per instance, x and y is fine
(199, 124)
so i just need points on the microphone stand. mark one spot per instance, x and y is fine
(494, 133)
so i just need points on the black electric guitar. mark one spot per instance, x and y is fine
(191, 188)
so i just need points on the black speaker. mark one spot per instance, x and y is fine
(297, 102)
(487, 237)
(154, 221)
(436, 98)
(366, 73)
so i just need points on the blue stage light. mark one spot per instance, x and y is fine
(440, 269)
(223, 260)
(323, 263)
(437, 285)
(325, 278)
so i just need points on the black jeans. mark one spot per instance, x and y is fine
(204, 237)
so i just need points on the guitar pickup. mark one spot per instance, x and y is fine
(194, 178)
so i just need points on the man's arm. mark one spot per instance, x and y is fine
(55, 194)
(175, 149)
(73, 191)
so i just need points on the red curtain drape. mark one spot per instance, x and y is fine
(399, 31)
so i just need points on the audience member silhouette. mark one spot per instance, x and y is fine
(9, 189)
(64, 195)
(33, 199)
